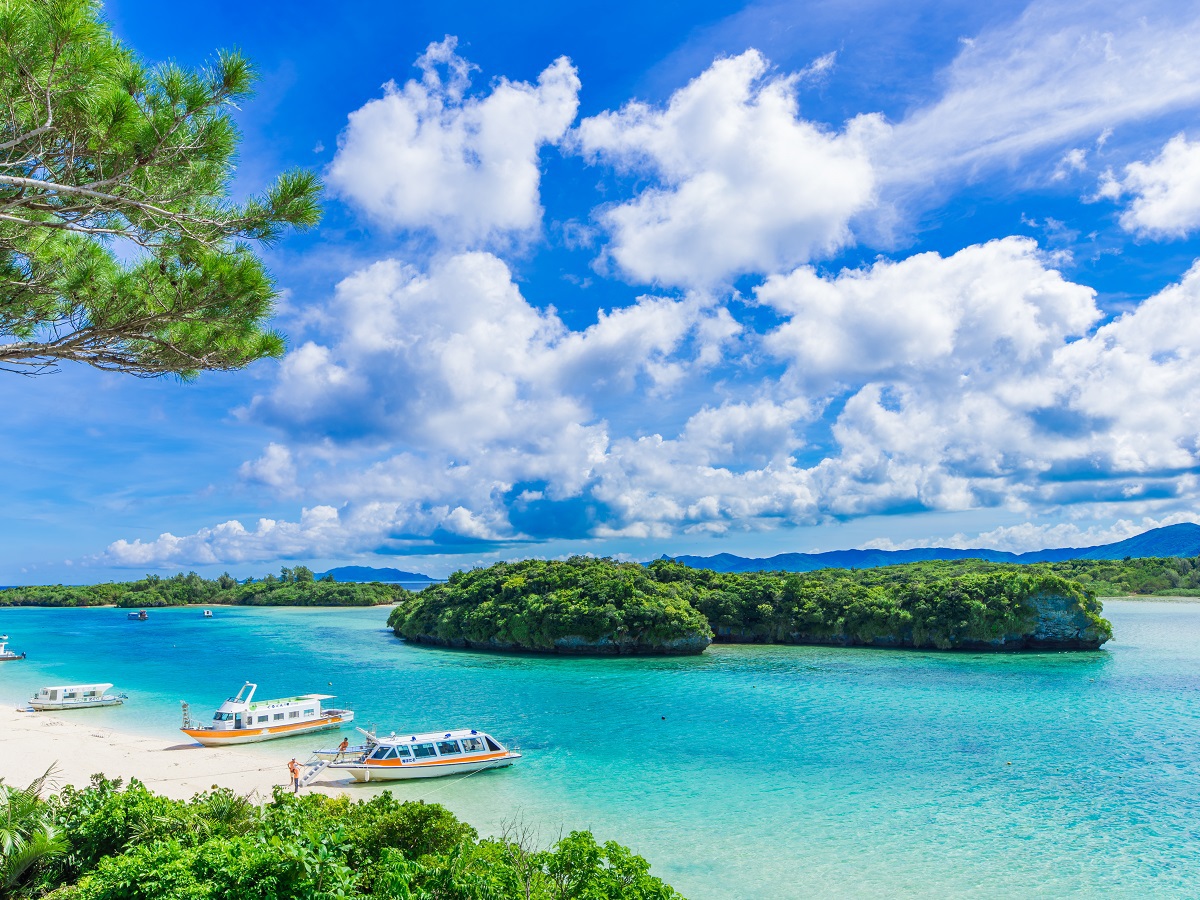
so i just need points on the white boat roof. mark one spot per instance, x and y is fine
(234, 702)
(410, 738)
(103, 686)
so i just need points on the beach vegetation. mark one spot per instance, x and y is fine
(293, 587)
(120, 245)
(29, 838)
(128, 843)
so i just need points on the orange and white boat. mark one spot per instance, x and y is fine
(242, 720)
(427, 755)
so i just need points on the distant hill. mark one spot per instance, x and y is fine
(368, 573)
(1171, 540)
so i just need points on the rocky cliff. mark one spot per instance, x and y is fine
(577, 645)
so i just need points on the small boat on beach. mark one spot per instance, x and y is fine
(140, 615)
(75, 696)
(428, 755)
(7, 655)
(242, 720)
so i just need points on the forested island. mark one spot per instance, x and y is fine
(106, 842)
(599, 606)
(292, 587)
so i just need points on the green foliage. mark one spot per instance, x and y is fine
(29, 840)
(540, 604)
(296, 587)
(130, 844)
(119, 245)
(532, 604)
(1163, 577)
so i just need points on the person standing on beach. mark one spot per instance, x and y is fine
(294, 768)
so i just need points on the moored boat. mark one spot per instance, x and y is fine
(242, 720)
(75, 696)
(340, 754)
(141, 615)
(428, 755)
(208, 614)
(7, 655)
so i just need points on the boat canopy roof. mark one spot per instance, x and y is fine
(243, 703)
(430, 736)
(103, 686)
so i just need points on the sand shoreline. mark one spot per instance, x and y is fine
(30, 742)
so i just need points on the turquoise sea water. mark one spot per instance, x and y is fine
(777, 772)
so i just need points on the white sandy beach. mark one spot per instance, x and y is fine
(30, 742)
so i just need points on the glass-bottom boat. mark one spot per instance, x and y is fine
(241, 720)
(75, 696)
(427, 755)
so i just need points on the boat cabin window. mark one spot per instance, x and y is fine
(403, 752)
(420, 751)
(54, 695)
(380, 752)
(294, 714)
(223, 717)
(492, 745)
(309, 712)
(278, 717)
(69, 695)
(262, 719)
(448, 748)
(472, 745)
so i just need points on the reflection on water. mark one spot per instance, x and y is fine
(749, 771)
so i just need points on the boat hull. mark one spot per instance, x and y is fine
(382, 772)
(212, 738)
(44, 706)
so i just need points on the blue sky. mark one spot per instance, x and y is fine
(636, 279)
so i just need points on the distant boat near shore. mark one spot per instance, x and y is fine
(140, 615)
(7, 655)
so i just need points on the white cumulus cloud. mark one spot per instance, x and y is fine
(429, 156)
(1164, 192)
(742, 182)
(971, 381)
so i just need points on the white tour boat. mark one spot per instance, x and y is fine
(5, 653)
(242, 720)
(420, 756)
(75, 696)
(140, 615)
(208, 614)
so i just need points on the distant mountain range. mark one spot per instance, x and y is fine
(1171, 540)
(368, 573)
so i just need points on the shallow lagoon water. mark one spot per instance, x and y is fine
(777, 772)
